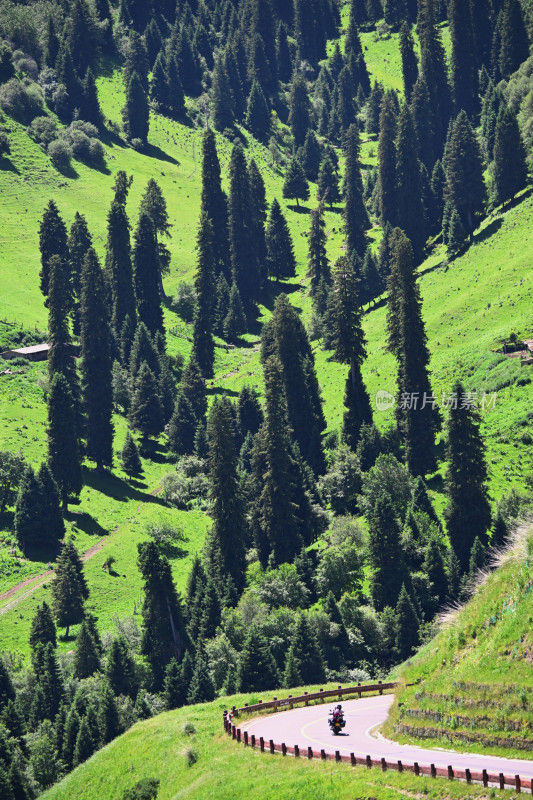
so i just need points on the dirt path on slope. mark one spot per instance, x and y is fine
(39, 580)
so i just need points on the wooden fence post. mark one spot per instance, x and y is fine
(271, 745)
(502, 780)
(309, 752)
(518, 785)
(283, 749)
(246, 738)
(359, 692)
(296, 751)
(468, 775)
(433, 771)
(368, 762)
(416, 768)
(400, 766)
(262, 744)
(233, 732)
(485, 778)
(306, 701)
(380, 689)
(238, 734)
(450, 773)
(337, 755)
(384, 765)
(352, 760)
(253, 739)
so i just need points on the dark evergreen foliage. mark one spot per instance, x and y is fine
(281, 261)
(468, 512)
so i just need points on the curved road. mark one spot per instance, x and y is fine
(308, 727)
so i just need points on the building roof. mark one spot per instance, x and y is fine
(34, 348)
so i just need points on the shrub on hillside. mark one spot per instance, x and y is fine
(25, 65)
(7, 69)
(5, 149)
(60, 154)
(43, 130)
(21, 102)
(187, 484)
(184, 302)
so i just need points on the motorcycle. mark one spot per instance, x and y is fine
(336, 722)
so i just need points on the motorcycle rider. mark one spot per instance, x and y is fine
(338, 713)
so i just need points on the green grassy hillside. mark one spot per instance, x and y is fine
(161, 748)
(473, 685)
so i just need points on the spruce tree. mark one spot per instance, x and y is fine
(72, 727)
(306, 652)
(182, 427)
(463, 66)
(328, 183)
(317, 261)
(276, 478)
(146, 414)
(136, 60)
(52, 242)
(154, 204)
(91, 110)
(387, 160)
(241, 231)
(221, 305)
(222, 97)
(500, 531)
(159, 92)
(84, 747)
(235, 320)
(68, 76)
(385, 554)
(311, 156)
(143, 349)
(514, 41)
(120, 669)
(417, 415)
(465, 187)
(7, 692)
(259, 218)
(410, 213)
(304, 405)
(175, 93)
(295, 186)
(291, 674)
(131, 462)
(256, 670)
(356, 220)
(435, 570)
(342, 640)
(283, 54)
(97, 361)
(164, 635)
(214, 204)
(454, 233)
(211, 613)
(509, 174)
(42, 629)
(468, 512)
(64, 458)
(281, 262)
(257, 112)
(249, 412)
(28, 511)
(193, 387)
(86, 658)
(136, 111)
(69, 589)
(79, 242)
(434, 69)
(423, 122)
(409, 60)
(407, 637)
(174, 692)
(299, 113)
(119, 271)
(146, 275)
(228, 534)
(108, 719)
(203, 346)
(51, 44)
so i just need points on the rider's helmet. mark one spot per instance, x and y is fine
(339, 708)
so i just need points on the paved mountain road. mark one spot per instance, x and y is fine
(308, 727)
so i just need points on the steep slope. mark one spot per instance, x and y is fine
(472, 685)
(161, 748)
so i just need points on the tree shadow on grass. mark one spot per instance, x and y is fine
(489, 231)
(215, 391)
(299, 209)
(153, 452)
(43, 553)
(113, 486)
(6, 165)
(436, 482)
(152, 151)
(86, 523)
